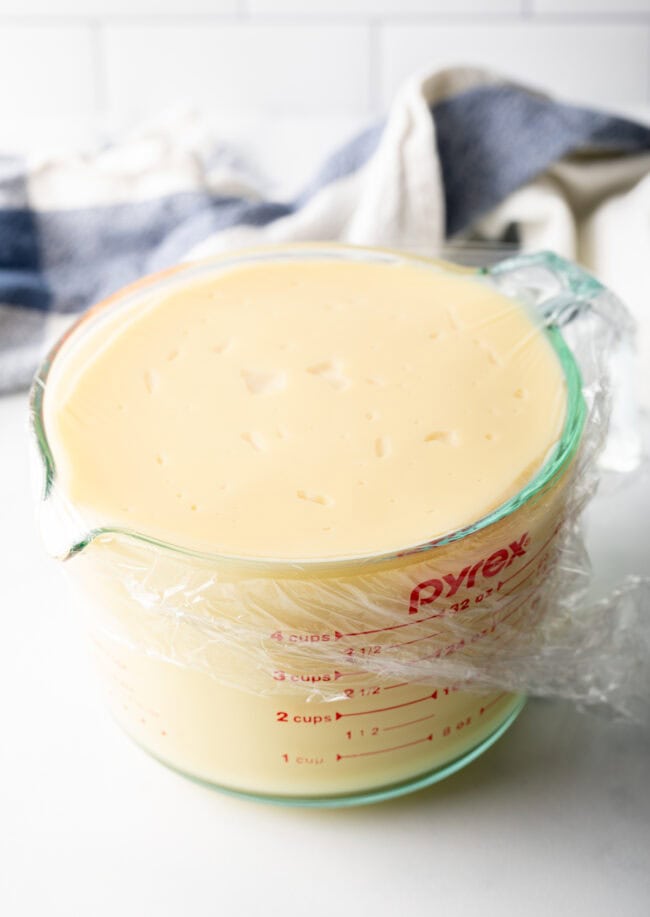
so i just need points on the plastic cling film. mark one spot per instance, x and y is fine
(474, 612)
(511, 613)
(361, 673)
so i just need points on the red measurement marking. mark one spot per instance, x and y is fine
(381, 630)
(400, 685)
(514, 611)
(534, 557)
(418, 640)
(492, 703)
(435, 655)
(513, 634)
(408, 703)
(532, 573)
(451, 648)
(512, 637)
(410, 722)
(514, 594)
(381, 751)
(437, 633)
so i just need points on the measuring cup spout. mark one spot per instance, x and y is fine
(62, 530)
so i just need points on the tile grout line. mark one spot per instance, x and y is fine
(99, 70)
(375, 67)
(243, 16)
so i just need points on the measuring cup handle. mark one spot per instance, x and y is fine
(560, 291)
(599, 331)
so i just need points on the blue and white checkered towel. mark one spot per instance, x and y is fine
(462, 152)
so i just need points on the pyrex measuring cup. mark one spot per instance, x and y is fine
(319, 682)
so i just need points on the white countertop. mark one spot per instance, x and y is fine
(555, 819)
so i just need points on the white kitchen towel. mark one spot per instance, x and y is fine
(462, 155)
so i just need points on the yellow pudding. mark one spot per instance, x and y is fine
(260, 446)
(307, 410)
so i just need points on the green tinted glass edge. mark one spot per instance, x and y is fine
(361, 797)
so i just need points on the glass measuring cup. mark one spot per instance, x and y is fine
(314, 681)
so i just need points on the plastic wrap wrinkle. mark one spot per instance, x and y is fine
(447, 616)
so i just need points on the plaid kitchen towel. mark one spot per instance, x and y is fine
(461, 154)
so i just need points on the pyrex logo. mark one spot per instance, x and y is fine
(427, 592)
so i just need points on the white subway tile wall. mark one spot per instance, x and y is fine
(47, 67)
(229, 67)
(373, 8)
(53, 9)
(615, 7)
(595, 63)
(111, 62)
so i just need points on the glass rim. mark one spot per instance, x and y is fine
(556, 462)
